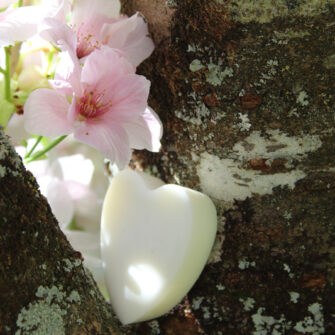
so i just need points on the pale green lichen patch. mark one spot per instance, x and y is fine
(46, 314)
(216, 75)
(312, 324)
(74, 297)
(329, 62)
(302, 98)
(41, 318)
(231, 178)
(244, 124)
(53, 294)
(68, 267)
(265, 324)
(196, 302)
(196, 65)
(291, 33)
(248, 303)
(220, 287)
(200, 111)
(294, 296)
(263, 11)
(245, 264)
(154, 327)
(2, 171)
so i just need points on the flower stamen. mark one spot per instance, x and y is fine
(92, 106)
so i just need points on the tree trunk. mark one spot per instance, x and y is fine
(44, 288)
(245, 90)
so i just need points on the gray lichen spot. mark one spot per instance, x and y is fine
(154, 327)
(53, 294)
(74, 297)
(291, 33)
(41, 318)
(263, 11)
(77, 262)
(329, 62)
(265, 324)
(302, 98)
(245, 264)
(70, 265)
(196, 65)
(294, 296)
(248, 303)
(45, 315)
(196, 302)
(216, 75)
(2, 171)
(171, 3)
(312, 325)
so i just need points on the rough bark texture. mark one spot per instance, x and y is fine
(44, 288)
(245, 90)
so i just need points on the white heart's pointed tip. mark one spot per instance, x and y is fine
(154, 243)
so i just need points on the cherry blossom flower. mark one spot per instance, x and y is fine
(103, 103)
(22, 23)
(97, 23)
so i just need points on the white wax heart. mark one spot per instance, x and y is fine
(154, 244)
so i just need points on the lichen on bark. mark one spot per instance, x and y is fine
(44, 288)
(245, 92)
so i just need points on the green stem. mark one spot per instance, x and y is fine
(49, 60)
(20, 3)
(6, 73)
(45, 150)
(38, 140)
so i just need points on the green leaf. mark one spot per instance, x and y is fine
(6, 111)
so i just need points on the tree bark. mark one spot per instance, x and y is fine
(44, 288)
(245, 90)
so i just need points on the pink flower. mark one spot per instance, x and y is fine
(19, 24)
(98, 23)
(103, 102)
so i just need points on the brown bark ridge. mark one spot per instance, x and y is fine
(44, 288)
(245, 90)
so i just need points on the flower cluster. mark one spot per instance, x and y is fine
(69, 68)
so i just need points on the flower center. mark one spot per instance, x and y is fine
(92, 106)
(86, 43)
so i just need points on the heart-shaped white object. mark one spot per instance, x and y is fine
(154, 243)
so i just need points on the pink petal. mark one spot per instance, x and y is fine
(106, 63)
(63, 87)
(45, 113)
(61, 11)
(131, 36)
(145, 132)
(107, 137)
(15, 129)
(86, 10)
(58, 33)
(69, 70)
(19, 24)
(129, 97)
